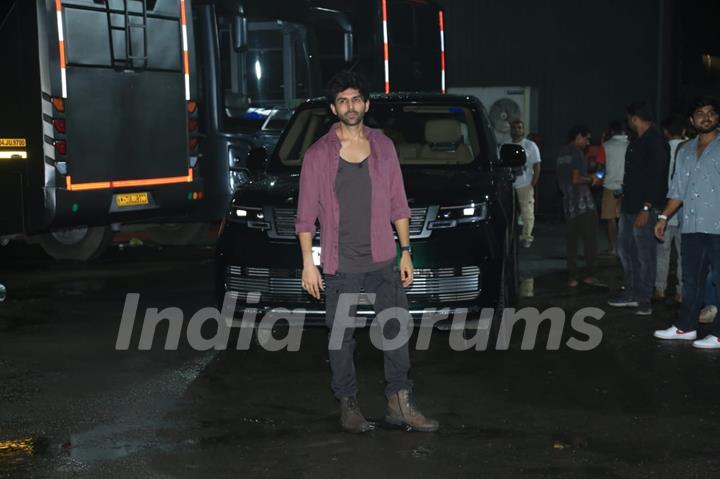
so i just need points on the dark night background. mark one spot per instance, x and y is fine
(586, 60)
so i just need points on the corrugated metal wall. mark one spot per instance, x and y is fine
(586, 59)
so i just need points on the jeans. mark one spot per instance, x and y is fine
(583, 226)
(711, 291)
(672, 235)
(699, 252)
(386, 284)
(637, 248)
(526, 201)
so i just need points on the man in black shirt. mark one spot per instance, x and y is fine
(644, 190)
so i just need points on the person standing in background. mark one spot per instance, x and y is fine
(695, 188)
(644, 191)
(527, 181)
(578, 205)
(675, 132)
(615, 148)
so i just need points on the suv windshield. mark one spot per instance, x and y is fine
(424, 135)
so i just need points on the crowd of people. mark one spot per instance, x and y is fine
(659, 189)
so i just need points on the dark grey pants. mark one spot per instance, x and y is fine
(385, 284)
(583, 227)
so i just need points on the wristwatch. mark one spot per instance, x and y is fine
(406, 248)
(662, 217)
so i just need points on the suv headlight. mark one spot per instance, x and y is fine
(451, 216)
(250, 215)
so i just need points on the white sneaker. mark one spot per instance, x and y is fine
(708, 313)
(708, 342)
(674, 333)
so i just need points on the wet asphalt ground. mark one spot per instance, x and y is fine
(73, 406)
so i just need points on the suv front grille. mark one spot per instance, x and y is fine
(281, 286)
(284, 222)
(417, 221)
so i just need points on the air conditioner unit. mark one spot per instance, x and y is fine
(505, 104)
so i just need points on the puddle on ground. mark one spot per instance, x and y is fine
(15, 454)
(80, 287)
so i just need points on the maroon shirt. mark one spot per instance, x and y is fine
(317, 199)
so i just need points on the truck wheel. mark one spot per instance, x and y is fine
(177, 234)
(82, 243)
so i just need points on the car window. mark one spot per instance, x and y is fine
(423, 135)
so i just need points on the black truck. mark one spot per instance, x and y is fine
(100, 119)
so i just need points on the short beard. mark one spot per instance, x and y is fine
(347, 122)
(709, 129)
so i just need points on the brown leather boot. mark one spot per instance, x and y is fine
(402, 412)
(351, 418)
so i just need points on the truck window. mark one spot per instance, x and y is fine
(271, 71)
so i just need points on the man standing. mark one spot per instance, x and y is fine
(351, 182)
(578, 205)
(644, 189)
(527, 181)
(695, 188)
(674, 131)
(615, 148)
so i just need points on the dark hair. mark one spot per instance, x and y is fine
(674, 125)
(577, 130)
(640, 109)
(616, 126)
(343, 80)
(517, 121)
(701, 102)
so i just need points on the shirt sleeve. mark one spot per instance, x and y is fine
(309, 194)
(398, 199)
(534, 153)
(657, 160)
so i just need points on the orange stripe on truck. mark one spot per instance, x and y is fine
(127, 183)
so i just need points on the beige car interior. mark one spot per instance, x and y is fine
(445, 141)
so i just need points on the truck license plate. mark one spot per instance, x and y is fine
(132, 199)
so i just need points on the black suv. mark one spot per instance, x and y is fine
(459, 190)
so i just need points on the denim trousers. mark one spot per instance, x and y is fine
(700, 251)
(389, 293)
(672, 236)
(637, 248)
(711, 290)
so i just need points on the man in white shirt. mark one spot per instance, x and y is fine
(615, 148)
(674, 130)
(526, 182)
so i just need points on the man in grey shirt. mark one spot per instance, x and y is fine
(578, 205)
(696, 187)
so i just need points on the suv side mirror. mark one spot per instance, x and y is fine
(512, 156)
(257, 159)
